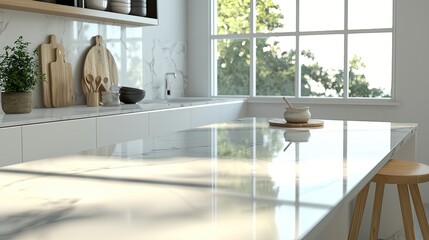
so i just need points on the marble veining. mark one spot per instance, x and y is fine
(236, 180)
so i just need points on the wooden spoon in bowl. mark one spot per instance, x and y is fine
(287, 102)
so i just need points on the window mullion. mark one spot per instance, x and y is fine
(346, 54)
(297, 55)
(252, 52)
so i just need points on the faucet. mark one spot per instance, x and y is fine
(166, 90)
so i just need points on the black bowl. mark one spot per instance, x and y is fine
(129, 98)
(130, 90)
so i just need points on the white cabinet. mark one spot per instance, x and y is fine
(162, 122)
(58, 138)
(203, 115)
(232, 111)
(51, 139)
(10, 146)
(208, 114)
(122, 128)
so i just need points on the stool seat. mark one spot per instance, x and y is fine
(406, 175)
(402, 172)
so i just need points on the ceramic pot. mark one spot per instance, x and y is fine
(17, 102)
(297, 114)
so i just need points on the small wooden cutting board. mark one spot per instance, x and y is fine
(61, 80)
(47, 55)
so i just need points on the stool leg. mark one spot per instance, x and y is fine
(404, 199)
(420, 210)
(376, 211)
(358, 213)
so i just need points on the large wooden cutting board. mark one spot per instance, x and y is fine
(47, 55)
(100, 62)
(61, 80)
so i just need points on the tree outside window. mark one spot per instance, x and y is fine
(328, 51)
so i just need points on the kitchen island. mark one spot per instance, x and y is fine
(241, 179)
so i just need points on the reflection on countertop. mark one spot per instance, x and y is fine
(43, 115)
(229, 180)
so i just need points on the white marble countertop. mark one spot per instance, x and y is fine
(235, 180)
(43, 115)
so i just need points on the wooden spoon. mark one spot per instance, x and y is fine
(89, 80)
(287, 102)
(97, 83)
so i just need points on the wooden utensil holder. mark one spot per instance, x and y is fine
(93, 99)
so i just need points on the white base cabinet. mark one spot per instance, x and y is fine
(58, 138)
(232, 111)
(52, 139)
(10, 145)
(121, 128)
(203, 115)
(165, 121)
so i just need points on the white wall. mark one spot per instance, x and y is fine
(412, 78)
(199, 48)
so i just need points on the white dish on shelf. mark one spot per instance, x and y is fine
(113, 4)
(96, 4)
(124, 10)
(138, 11)
(120, 1)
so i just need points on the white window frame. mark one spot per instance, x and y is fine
(252, 97)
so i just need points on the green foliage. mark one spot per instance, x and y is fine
(275, 69)
(19, 70)
(233, 67)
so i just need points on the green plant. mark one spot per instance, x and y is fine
(19, 69)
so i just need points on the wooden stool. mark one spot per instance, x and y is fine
(406, 175)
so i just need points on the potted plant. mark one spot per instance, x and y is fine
(19, 74)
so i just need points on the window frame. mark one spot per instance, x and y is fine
(253, 35)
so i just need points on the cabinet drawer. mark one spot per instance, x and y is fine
(205, 115)
(10, 146)
(58, 138)
(233, 111)
(163, 122)
(122, 128)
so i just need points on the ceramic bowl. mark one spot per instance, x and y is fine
(137, 4)
(120, 1)
(96, 4)
(130, 90)
(115, 4)
(129, 98)
(297, 114)
(124, 10)
(138, 11)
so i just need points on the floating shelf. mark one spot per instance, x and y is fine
(79, 13)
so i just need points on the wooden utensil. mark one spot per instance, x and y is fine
(89, 80)
(97, 83)
(61, 80)
(100, 62)
(287, 102)
(47, 55)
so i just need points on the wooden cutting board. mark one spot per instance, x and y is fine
(61, 80)
(47, 55)
(100, 62)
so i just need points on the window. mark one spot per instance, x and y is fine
(303, 48)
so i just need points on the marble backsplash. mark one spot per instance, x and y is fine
(142, 60)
